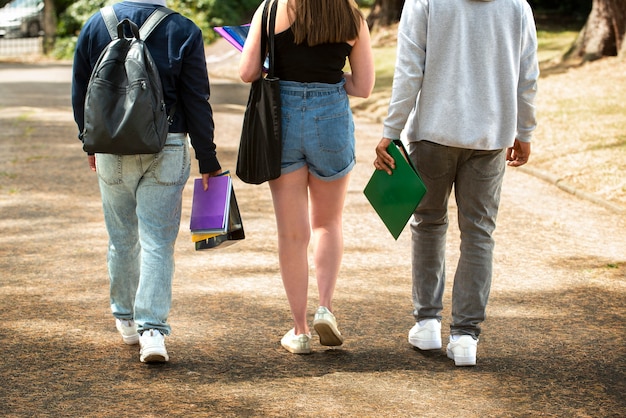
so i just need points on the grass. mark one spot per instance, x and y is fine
(384, 61)
(582, 119)
(552, 44)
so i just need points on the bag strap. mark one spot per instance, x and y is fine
(111, 21)
(264, 25)
(153, 21)
(146, 29)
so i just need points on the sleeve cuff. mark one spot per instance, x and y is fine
(209, 166)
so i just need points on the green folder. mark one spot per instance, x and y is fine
(395, 196)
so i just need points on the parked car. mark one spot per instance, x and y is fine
(21, 18)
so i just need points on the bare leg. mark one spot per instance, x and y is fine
(327, 201)
(290, 197)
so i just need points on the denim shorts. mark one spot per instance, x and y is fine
(317, 129)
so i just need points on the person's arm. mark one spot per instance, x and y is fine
(193, 99)
(407, 77)
(80, 79)
(360, 81)
(81, 72)
(250, 60)
(527, 83)
(519, 153)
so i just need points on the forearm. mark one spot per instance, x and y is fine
(527, 85)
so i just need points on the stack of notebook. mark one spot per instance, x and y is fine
(210, 208)
(215, 219)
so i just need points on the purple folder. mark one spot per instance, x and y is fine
(209, 210)
(235, 35)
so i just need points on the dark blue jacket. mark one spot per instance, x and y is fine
(178, 51)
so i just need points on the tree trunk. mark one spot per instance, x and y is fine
(49, 26)
(604, 33)
(385, 13)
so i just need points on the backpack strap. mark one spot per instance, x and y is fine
(110, 20)
(153, 21)
(146, 29)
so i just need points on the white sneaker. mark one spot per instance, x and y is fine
(325, 325)
(426, 334)
(152, 347)
(128, 329)
(462, 349)
(296, 344)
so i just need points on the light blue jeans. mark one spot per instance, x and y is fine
(477, 179)
(142, 200)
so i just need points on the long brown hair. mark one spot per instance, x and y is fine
(325, 21)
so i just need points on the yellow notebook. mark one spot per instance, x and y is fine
(394, 197)
(201, 237)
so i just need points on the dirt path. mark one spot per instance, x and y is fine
(553, 344)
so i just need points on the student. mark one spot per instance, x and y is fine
(465, 80)
(313, 40)
(142, 194)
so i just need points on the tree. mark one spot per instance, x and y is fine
(385, 13)
(604, 33)
(49, 25)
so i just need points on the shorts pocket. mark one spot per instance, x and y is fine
(334, 132)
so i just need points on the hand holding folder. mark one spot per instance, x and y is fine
(394, 197)
(215, 218)
(209, 210)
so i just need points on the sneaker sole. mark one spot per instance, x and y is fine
(426, 345)
(131, 339)
(461, 361)
(154, 357)
(296, 350)
(327, 334)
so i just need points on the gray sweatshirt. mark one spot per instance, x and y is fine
(466, 73)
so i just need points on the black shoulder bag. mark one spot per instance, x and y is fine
(260, 146)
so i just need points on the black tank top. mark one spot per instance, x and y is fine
(309, 64)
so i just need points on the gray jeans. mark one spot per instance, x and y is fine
(477, 179)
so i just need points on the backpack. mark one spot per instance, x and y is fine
(124, 106)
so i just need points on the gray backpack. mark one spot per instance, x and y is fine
(124, 106)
